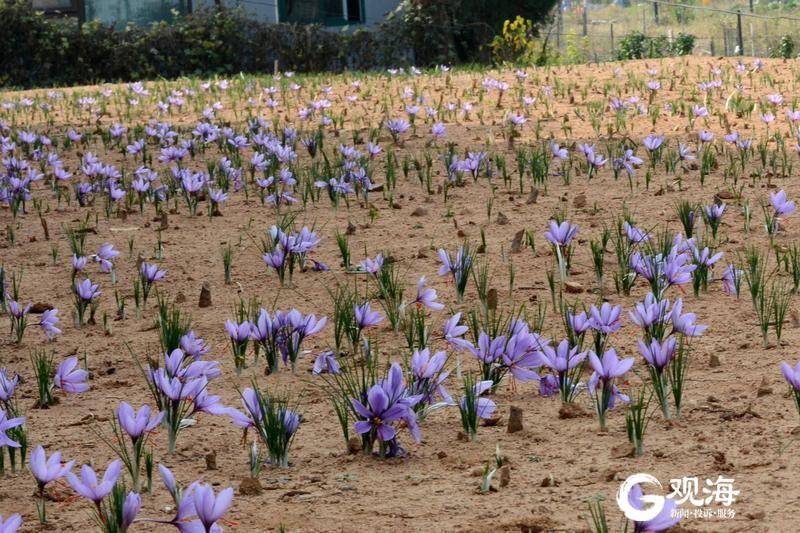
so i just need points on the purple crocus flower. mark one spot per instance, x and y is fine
(685, 152)
(7, 385)
(579, 323)
(649, 312)
(193, 346)
(45, 470)
(685, 323)
(658, 354)
(562, 358)
(397, 126)
(378, 413)
(521, 354)
(606, 320)
(782, 206)
(48, 323)
(238, 332)
(453, 332)
(130, 508)
(10, 524)
(428, 376)
(69, 378)
(372, 266)
(6, 424)
(484, 407)
(665, 519)
(326, 362)
(151, 273)
(488, 350)
(89, 487)
(426, 297)
(792, 375)
(16, 310)
(561, 234)
(548, 386)
(559, 152)
(714, 212)
(136, 424)
(210, 507)
(705, 136)
(366, 317)
(87, 291)
(105, 255)
(653, 142)
(635, 235)
(730, 280)
(609, 367)
(78, 263)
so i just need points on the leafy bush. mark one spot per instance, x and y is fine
(516, 44)
(42, 52)
(637, 45)
(683, 44)
(784, 48)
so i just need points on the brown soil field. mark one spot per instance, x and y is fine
(738, 421)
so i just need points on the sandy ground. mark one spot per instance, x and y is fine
(738, 422)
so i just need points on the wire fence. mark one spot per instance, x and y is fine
(584, 31)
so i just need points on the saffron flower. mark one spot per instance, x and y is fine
(426, 297)
(561, 234)
(149, 274)
(782, 206)
(366, 317)
(326, 362)
(386, 404)
(69, 378)
(10, 524)
(46, 470)
(89, 487)
(454, 331)
(665, 519)
(6, 424)
(428, 377)
(136, 424)
(606, 370)
(210, 507)
(48, 323)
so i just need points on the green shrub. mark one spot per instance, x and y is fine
(41, 52)
(637, 45)
(784, 48)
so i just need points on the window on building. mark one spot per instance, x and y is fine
(354, 11)
(334, 9)
(330, 12)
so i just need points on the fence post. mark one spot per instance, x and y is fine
(740, 40)
(585, 18)
(612, 39)
(559, 26)
(655, 12)
(751, 6)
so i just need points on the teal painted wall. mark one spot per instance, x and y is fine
(121, 12)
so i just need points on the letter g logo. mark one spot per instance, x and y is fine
(646, 513)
